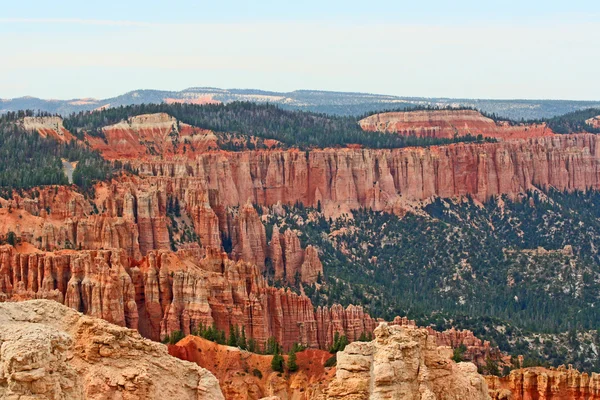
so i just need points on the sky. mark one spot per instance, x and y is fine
(534, 49)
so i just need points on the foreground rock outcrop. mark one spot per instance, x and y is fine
(403, 363)
(450, 123)
(545, 384)
(50, 351)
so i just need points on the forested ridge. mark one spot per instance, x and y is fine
(28, 160)
(574, 122)
(266, 121)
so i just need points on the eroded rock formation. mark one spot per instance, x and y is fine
(50, 351)
(345, 179)
(545, 384)
(248, 376)
(403, 363)
(150, 135)
(122, 215)
(47, 127)
(594, 122)
(477, 350)
(167, 292)
(449, 123)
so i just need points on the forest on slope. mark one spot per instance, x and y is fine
(28, 160)
(519, 273)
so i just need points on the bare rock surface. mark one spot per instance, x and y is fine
(403, 363)
(49, 351)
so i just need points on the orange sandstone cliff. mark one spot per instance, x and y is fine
(346, 179)
(152, 135)
(168, 292)
(248, 376)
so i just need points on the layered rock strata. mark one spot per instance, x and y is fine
(151, 135)
(448, 124)
(168, 292)
(47, 127)
(346, 179)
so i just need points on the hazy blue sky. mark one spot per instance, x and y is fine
(485, 49)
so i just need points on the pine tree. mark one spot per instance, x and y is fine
(242, 344)
(252, 345)
(292, 366)
(272, 346)
(11, 238)
(177, 208)
(233, 340)
(277, 362)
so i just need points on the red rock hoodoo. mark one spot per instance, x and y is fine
(545, 384)
(167, 292)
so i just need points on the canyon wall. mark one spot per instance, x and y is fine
(545, 384)
(168, 292)
(50, 351)
(125, 215)
(449, 123)
(346, 179)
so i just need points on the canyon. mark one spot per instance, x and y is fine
(167, 292)
(222, 196)
(120, 254)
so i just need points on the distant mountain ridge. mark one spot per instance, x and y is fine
(339, 103)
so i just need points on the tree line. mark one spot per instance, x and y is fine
(292, 128)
